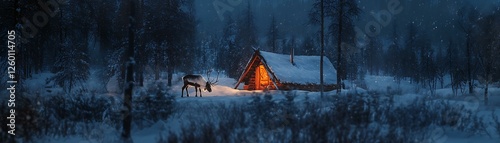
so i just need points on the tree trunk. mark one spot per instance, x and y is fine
(139, 74)
(141, 78)
(322, 52)
(487, 79)
(70, 85)
(157, 64)
(127, 110)
(127, 104)
(469, 72)
(340, 69)
(486, 92)
(170, 73)
(141, 56)
(441, 81)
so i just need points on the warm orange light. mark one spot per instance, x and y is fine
(262, 77)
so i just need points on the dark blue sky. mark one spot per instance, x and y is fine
(292, 15)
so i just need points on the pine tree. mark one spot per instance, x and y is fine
(427, 65)
(488, 39)
(442, 68)
(72, 68)
(233, 52)
(393, 56)
(467, 18)
(170, 28)
(373, 56)
(341, 14)
(273, 35)
(246, 40)
(409, 60)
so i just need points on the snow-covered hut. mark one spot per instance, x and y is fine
(266, 70)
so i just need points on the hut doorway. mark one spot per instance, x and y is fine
(262, 79)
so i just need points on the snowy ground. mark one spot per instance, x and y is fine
(198, 108)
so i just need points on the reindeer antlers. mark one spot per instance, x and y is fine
(208, 77)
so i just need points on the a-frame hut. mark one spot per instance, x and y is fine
(266, 70)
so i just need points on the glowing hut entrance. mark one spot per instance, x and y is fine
(262, 80)
(257, 76)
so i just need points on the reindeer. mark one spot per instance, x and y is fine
(198, 81)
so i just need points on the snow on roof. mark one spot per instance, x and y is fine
(304, 71)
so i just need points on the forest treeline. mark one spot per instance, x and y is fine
(73, 37)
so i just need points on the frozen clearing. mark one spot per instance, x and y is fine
(200, 108)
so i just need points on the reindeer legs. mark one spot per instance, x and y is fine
(196, 91)
(182, 93)
(185, 87)
(200, 91)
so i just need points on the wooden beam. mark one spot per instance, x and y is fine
(247, 68)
